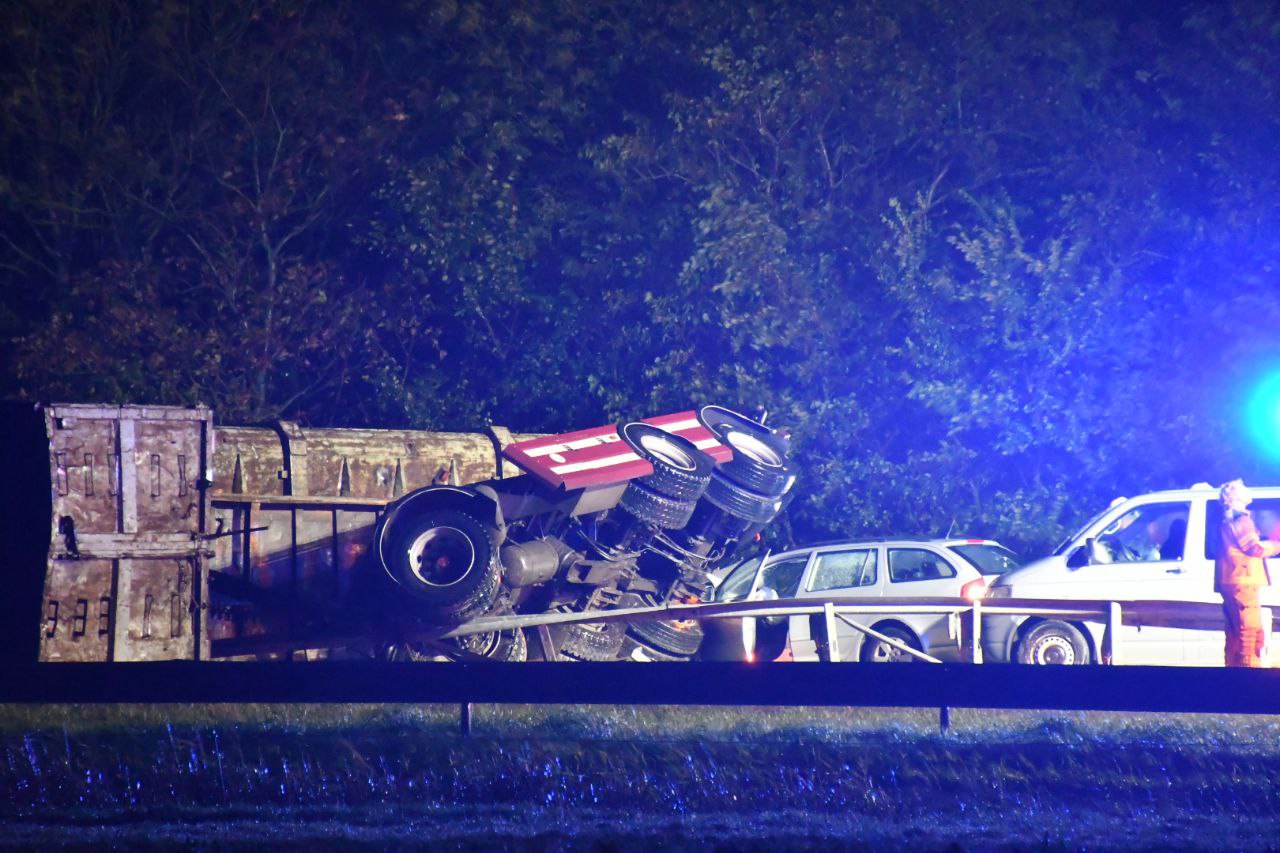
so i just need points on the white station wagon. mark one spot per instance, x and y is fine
(871, 569)
(1154, 547)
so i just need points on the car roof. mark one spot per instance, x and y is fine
(947, 542)
(1199, 490)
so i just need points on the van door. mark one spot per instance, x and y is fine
(1141, 556)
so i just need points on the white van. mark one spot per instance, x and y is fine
(1155, 547)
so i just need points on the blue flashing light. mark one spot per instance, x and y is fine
(1263, 416)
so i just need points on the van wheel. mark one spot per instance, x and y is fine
(878, 651)
(1053, 643)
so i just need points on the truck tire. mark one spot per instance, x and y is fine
(759, 462)
(1053, 642)
(635, 650)
(659, 510)
(741, 502)
(510, 646)
(411, 653)
(677, 638)
(590, 641)
(680, 470)
(447, 559)
(502, 646)
(877, 651)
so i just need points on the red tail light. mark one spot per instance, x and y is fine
(974, 590)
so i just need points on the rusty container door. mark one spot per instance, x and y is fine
(129, 516)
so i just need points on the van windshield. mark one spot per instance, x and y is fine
(1062, 546)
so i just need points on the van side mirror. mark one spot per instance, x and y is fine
(1098, 552)
(1079, 557)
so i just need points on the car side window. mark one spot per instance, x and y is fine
(917, 564)
(1266, 517)
(783, 577)
(738, 582)
(844, 570)
(1147, 534)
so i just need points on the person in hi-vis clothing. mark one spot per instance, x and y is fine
(1241, 575)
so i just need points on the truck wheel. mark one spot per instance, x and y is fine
(591, 641)
(677, 637)
(510, 646)
(501, 646)
(1053, 643)
(410, 653)
(759, 462)
(878, 651)
(740, 502)
(447, 559)
(680, 470)
(658, 510)
(636, 650)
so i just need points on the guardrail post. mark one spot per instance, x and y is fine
(944, 719)
(975, 632)
(549, 650)
(465, 719)
(1113, 632)
(832, 638)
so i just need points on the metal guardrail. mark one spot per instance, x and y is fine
(1134, 688)
(944, 685)
(1203, 616)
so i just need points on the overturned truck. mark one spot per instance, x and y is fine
(173, 538)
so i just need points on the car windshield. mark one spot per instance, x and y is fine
(737, 583)
(989, 559)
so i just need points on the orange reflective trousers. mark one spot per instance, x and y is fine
(1245, 634)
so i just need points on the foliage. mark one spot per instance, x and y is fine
(991, 266)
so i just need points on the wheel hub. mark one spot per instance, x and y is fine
(441, 556)
(1054, 650)
(752, 447)
(668, 452)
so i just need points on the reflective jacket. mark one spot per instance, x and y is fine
(1241, 552)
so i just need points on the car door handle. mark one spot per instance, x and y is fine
(1174, 571)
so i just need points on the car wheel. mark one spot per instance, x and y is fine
(1053, 643)
(447, 559)
(875, 650)
(680, 470)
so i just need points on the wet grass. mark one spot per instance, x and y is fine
(560, 777)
